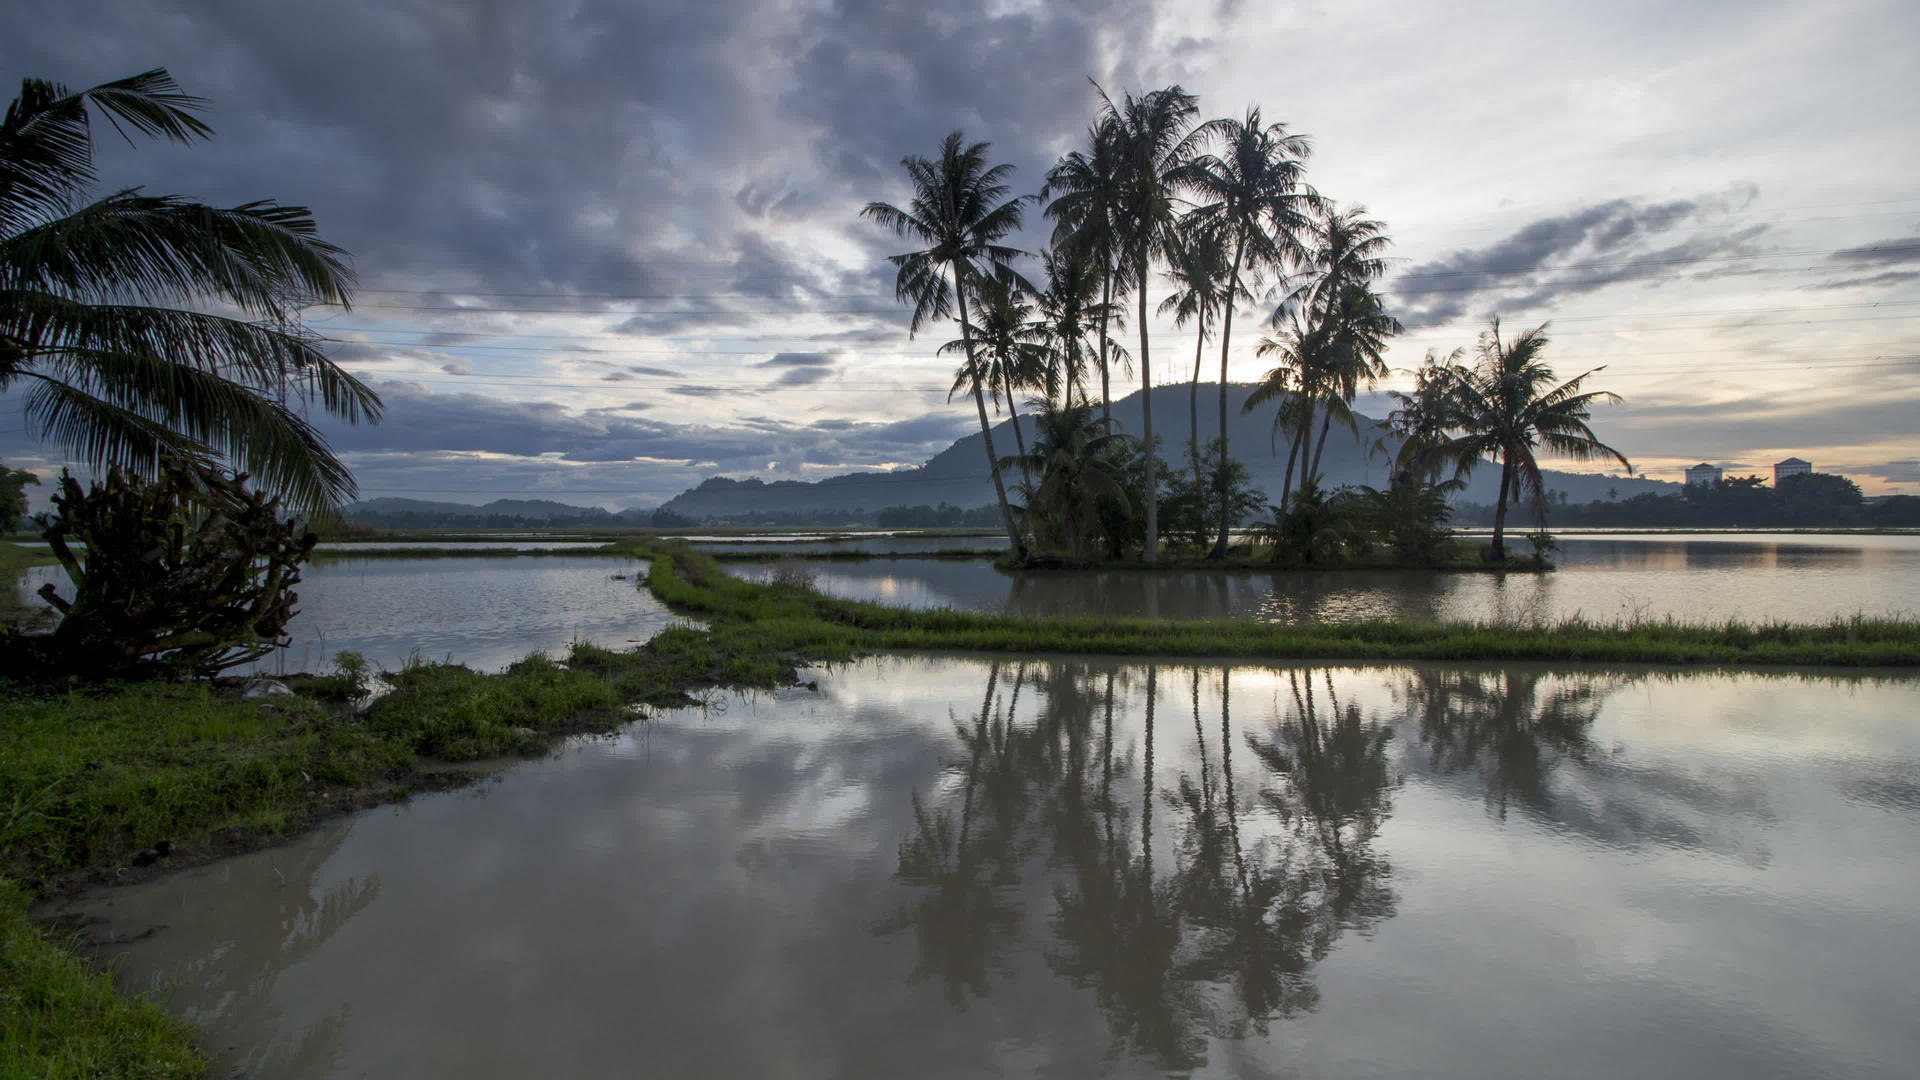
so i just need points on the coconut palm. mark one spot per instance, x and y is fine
(1347, 256)
(1425, 422)
(1068, 306)
(1156, 145)
(1251, 192)
(1197, 270)
(1075, 455)
(1357, 328)
(100, 326)
(1085, 192)
(1294, 382)
(1011, 350)
(960, 210)
(1513, 404)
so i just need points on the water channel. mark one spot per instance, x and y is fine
(961, 867)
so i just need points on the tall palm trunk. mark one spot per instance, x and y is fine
(1226, 337)
(986, 426)
(1305, 432)
(1106, 314)
(1286, 481)
(1150, 552)
(1499, 550)
(1019, 440)
(1320, 448)
(1193, 402)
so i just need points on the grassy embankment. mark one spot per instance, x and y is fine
(90, 778)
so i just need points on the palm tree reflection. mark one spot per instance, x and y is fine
(1206, 930)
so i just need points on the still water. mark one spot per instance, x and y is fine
(959, 867)
(482, 612)
(1688, 577)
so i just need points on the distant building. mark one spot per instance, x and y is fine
(1703, 475)
(1793, 466)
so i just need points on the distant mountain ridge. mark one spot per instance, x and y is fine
(391, 513)
(958, 475)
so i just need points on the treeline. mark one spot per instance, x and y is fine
(1813, 501)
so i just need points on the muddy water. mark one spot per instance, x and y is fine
(959, 868)
(1689, 577)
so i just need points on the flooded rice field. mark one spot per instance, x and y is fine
(958, 867)
(1690, 577)
(479, 611)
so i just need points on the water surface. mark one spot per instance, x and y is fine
(962, 868)
(479, 611)
(1688, 577)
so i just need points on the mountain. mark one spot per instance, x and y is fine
(392, 513)
(958, 475)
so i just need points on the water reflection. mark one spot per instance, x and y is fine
(1600, 578)
(232, 978)
(1209, 932)
(963, 866)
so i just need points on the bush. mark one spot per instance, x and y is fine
(187, 574)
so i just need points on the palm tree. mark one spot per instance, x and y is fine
(1086, 215)
(1347, 257)
(1251, 192)
(1015, 352)
(1198, 272)
(1511, 405)
(1156, 146)
(1357, 328)
(1067, 305)
(1425, 421)
(98, 319)
(960, 211)
(1294, 383)
(1075, 455)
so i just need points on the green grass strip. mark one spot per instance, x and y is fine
(61, 1021)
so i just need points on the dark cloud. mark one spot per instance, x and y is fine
(798, 360)
(699, 391)
(1904, 471)
(664, 372)
(803, 376)
(1890, 277)
(1600, 245)
(1894, 252)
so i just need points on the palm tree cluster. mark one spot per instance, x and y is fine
(1222, 206)
(1223, 209)
(144, 331)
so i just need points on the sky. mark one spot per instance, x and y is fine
(606, 250)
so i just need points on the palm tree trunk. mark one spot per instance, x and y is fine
(1106, 313)
(1499, 550)
(1320, 449)
(1305, 432)
(1019, 440)
(1150, 552)
(1226, 336)
(986, 426)
(1286, 481)
(1193, 403)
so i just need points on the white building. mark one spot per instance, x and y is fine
(1793, 466)
(1703, 475)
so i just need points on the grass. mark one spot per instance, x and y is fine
(798, 619)
(60, 1021)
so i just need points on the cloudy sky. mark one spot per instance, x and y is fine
(608, 249)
